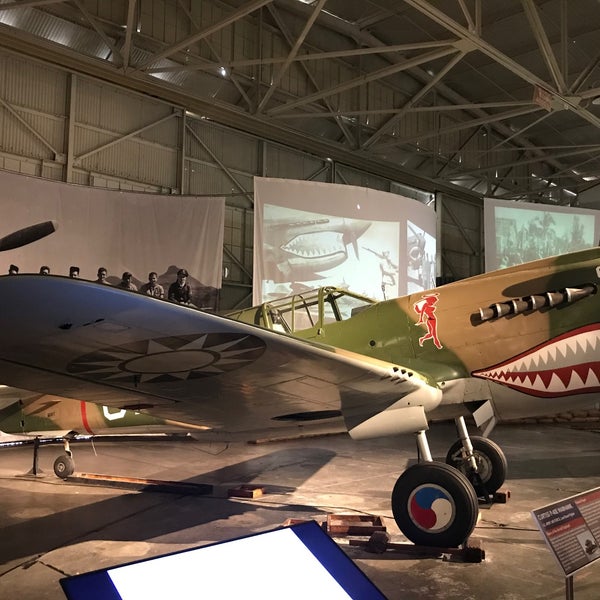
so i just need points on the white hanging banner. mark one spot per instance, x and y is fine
(121, 231)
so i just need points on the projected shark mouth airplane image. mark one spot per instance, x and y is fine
(298, 250)
(329, 244)
(559, 367)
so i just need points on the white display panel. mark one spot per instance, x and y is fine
(309, 234)
(517, 232)
(296, 562)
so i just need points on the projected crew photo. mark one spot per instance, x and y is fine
(516, 234)
(122, 239)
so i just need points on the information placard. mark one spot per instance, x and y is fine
(571, 528)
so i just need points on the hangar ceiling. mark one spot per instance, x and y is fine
(465, 96)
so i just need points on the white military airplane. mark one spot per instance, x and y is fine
(518, 342)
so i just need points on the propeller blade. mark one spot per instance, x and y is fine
(27, 235)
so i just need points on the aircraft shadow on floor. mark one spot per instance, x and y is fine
(148, 516)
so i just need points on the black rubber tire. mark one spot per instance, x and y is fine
(435, 505)
(491, 464)
(64, 466)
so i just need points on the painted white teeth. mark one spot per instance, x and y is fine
(554, 363)
(576, 382)
(592, 379)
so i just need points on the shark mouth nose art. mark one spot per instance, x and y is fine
(316, 245)
(565, 365)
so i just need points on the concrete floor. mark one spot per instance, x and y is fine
(50, 528)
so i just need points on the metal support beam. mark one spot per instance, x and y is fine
(125, 137)
(315, 174)
(128, 33)
(211, 66)
(467, 14)
(242, 11)
(564, 39)
(70, 129)
(500, 179)
(27, 3)
(373, 76)
(535, 159)
(456, 221)
(181, 183)
(583, 76)
(301, 58)
(236, 261)
(410, 110)
(29, 128)
(414, 100)
(110, 43)
(266, 128)
(284, 30)
(222, 166)
(292, 54)
(457, 153)
(464, 125)
(520, 131)
(441, 18)
(544, 44)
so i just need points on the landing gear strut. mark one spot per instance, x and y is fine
(480, 459)
(433, 503)
(64, 465)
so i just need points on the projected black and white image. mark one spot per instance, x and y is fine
(420, 259)
(311, 234)
(303, 250)
(523, 235)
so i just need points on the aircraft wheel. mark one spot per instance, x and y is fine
(491, 464)
(434, 505)
(64, 466)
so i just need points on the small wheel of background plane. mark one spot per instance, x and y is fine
(434, 505)
(491, 464)
(64, 466)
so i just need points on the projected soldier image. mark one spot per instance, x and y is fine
(420, 253)
(389, 270)
(523, 235)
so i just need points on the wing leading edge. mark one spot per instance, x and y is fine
(125, 350)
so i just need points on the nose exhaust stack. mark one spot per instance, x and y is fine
(535, 302)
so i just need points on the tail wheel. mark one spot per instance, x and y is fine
(64, 466)
(491, 464)
(434, 505)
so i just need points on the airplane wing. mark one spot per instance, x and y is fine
(120, 349)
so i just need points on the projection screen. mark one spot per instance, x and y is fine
(309, 234)
(517, 232)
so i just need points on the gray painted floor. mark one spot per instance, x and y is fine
(50, 528)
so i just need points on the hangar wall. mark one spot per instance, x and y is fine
(59, 125)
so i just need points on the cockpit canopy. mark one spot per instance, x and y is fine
(299, 312)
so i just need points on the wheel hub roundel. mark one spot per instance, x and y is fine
(431, 508)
